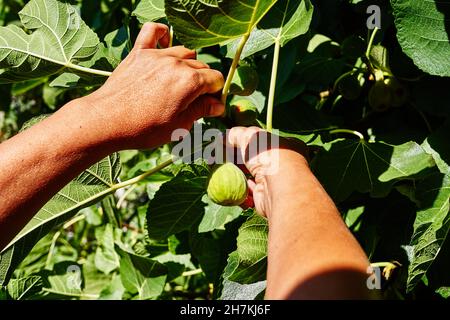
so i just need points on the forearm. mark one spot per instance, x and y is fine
(312, 254)
(38, 162)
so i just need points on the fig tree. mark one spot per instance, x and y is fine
(227, 185)
(244, 112)
(245, 81)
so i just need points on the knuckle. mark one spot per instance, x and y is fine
(194, 79)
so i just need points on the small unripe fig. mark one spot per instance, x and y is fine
(380, 96)
(244, 112)
(349, 87)
(245, 81)
(227, 185)
(399, 93)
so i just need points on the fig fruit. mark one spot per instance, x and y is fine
(244, 82)
(399, 93)
(380, 97)
(349, 87)
(244, 112)
(227, 185)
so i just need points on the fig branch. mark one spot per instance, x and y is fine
(273, 84)
(234, 65)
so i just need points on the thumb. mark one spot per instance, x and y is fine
(205, 106)
(151, 34)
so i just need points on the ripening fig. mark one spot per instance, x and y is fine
(380, 96)
(399, 93)
(245, 81)
(349, 87)
(244, 112)
(227, 185)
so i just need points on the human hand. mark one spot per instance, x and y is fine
(155, 91)
(275, 164)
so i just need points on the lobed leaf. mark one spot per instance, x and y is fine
(59, 40)
(200, 24)
(352, 165)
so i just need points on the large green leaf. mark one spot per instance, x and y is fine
(89, 187)
(248, 263)
(149, 10)
(437, 145)
(431, 225)
(177, 205)
(235, 291)
(422, 30)
(205, 23)
(65, 280)
(216, 216)
(22, 288)
(60, 39)
(353, 165)
(140, 275)
(286, 20)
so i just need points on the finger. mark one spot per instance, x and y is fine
(151, 34)
(239, 137)
(196, 64)
(204, 106)
(212, 81)
(251, 185)
(181, 52)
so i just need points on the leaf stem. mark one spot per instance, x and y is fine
(191, 272)
(70, 294)
(89, 70)
(273, 85)
(170, 37)
(354, 132)
(56, 236)
(370, 44)
(369, 49)
(142, 176)
(233, 67)
(124, 196)
(383, 264)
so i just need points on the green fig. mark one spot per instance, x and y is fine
(349, 87)
(227, 185)
(399, 92)
(380, 97)
(244, 112)
(245, 81)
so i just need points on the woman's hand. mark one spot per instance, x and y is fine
(154, 91)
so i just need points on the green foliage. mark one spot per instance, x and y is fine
(144, 228)
(423, 33)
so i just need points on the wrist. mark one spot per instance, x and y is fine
(87, 123)
(287, 182)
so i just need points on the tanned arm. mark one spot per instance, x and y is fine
(311, 252)
(151, 93)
